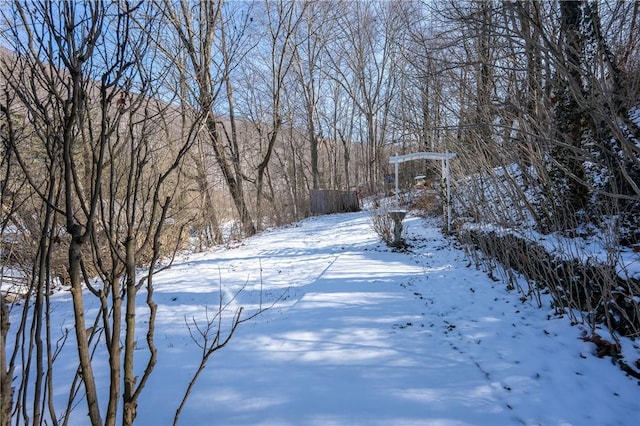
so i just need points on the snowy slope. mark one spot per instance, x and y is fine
(364, 335)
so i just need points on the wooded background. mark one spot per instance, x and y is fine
(133, 129)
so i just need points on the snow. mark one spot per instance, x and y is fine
(363, 335)
(595, 248)
(634, 116)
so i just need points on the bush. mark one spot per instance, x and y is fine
(382, 224)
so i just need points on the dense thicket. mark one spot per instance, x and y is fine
(130, 130)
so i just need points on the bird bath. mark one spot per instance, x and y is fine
(397, 216)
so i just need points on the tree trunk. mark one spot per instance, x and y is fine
(129, 402)
(209, 218)
(570, 117)
(484, 110)
(84, 355)
(235, 186)
(232, 173)
(313, 141)
(6, 374)
(41, 287)
(113, 342)
(262, 167)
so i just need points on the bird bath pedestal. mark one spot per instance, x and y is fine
(397, 216)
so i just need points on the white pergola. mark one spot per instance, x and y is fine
(443, 157)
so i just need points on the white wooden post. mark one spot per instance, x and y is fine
(397, 190)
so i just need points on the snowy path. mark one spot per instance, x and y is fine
(368, 336)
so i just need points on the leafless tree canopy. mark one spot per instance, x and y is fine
(130, 130)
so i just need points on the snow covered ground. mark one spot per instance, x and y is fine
(363, 335)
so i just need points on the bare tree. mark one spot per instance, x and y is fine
(366, 49)
(6, 373)
(82, 76)
(8, 211)
(214, 334)
(55, 95)
(540, 113)
(195, 27)
(281, 22)
(312, 37)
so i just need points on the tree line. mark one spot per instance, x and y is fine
(133, 129)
